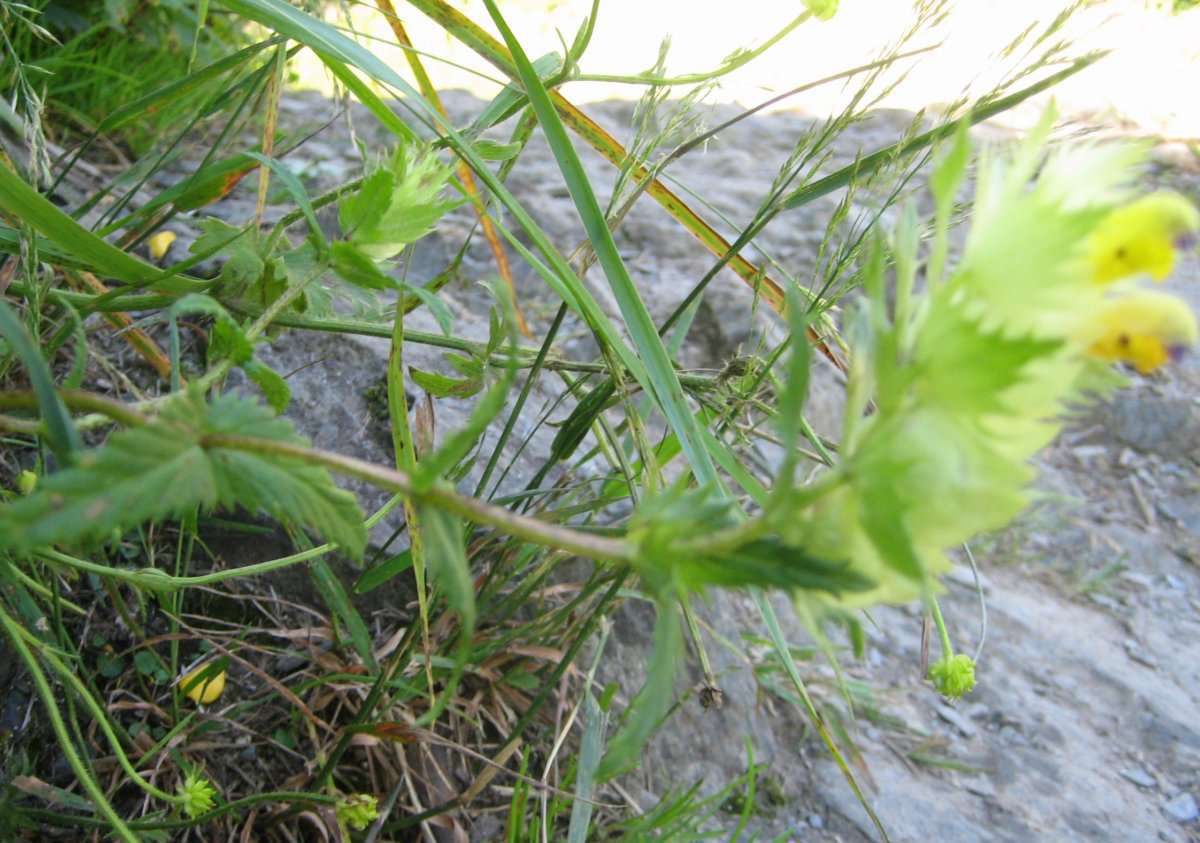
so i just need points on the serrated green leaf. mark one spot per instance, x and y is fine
(440, 386)
(243, 265)
(367, 205)
(163, 470)
(383, 224)
(963, 366)
(272, 384)
(354, 267)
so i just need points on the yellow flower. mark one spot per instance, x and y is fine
(1143, 328)
(160, 243)
(1141, 237)
(202, 691)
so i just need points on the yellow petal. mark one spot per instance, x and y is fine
(202, 691)
(159, 244)
(1144, 328)
(1141, 237)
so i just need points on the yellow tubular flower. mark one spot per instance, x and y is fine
(160, 243)
(203, 690)
(1143, 328)
(1142, 237)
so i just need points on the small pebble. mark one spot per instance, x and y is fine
(1139, 777)
(816, 821)
(1182, 808)
(952, 716)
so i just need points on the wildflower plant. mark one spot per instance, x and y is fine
(958, 372)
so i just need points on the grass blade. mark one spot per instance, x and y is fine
(664, 382)
(60, 432)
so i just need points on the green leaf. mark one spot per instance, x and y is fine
(60, 431)
(164, 470)
(272, 384)
(490, 150)
(367, 205)
(354, 267)
(447, 560)
(577, 425)
(297, 192)
(391, 211)
(437, 307)
(109, 666)
(949, 173)
(336, 598)
(23, 202)
(769, 563)
(962, 366)
(441, 386)
(379, 574)
(884, 522)
(244, 266)
(653, 701)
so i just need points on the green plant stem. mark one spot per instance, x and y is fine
(216, 813)
(66, 745)
(738, 60)
(943, 633)
(168, 582)
(441, 495)
(99, 715)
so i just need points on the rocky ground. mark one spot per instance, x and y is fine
(1084, 724)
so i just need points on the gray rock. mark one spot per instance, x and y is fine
(1139, 776)
(1182, 809)
(1166, 426)
(956, 719)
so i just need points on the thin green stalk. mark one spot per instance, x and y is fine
(406, 460)
(99, 716)
(740, 59)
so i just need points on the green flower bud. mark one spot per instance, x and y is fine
(357, 810)
(953, 676)
(27, 482)
(197, 793)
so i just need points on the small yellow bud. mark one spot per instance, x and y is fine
(202, 691)
(160, 243)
